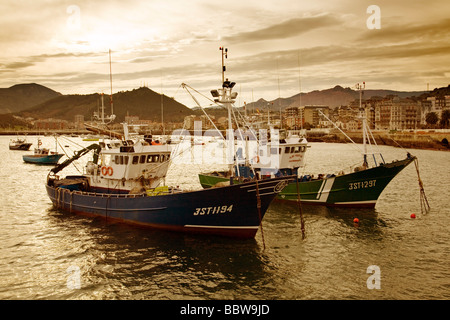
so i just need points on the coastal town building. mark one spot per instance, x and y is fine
(394, 113)
(438, 104)
(297, 117)
(189, 122)
(293, 118)
(312, 115)
(51, 124)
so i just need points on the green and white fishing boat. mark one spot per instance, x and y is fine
(359, 188)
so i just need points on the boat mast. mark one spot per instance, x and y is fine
(110, 80)
(227, 102)
(226, 97)
(103, 111)
(363, 119)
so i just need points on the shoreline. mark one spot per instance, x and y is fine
(438, 141)
(426, 140)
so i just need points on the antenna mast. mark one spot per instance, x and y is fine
(110, 80)
(224, 55)
(363, 118)
(226, 97)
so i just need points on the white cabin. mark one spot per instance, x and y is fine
(129, 166)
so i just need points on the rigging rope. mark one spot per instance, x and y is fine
(258, 205)
(299, 204)
(424, 205)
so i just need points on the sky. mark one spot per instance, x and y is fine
(275, 48)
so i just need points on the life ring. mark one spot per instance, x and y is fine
(256, 159)
(107, 171)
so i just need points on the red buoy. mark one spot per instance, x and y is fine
(356, 220)
(413, 216)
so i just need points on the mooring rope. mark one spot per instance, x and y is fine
(424, 205)
(258, 205)
(299, 204)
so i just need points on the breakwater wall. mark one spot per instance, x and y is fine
(407, 140)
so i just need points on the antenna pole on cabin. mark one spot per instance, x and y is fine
(110, 80)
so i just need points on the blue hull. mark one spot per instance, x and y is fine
(43, 159)
(226, 211)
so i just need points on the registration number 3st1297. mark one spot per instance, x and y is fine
(362, 184)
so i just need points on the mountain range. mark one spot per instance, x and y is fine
(23, 96)
(333, 97)
(39, 102)
(142, 102)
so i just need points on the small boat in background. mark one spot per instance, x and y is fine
(19, 144)
(43, 156)
(90, 137)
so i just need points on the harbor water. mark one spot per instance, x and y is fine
(49, 254)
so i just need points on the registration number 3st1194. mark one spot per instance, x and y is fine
(212, 210)
(362, 184)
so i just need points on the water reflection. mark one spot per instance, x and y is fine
(40, 243)
(365, 220)
(144, 259)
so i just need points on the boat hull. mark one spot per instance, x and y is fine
(358, 189)
(226, 211)
(43, 159)
(23, 146)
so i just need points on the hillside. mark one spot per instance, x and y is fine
(146, 104)
(8, 121)
(142, 102)
(23, 96)
(333, 97)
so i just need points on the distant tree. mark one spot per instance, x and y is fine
(431, 118)
(445, 119)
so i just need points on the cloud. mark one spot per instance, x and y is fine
(17, 65)
(286, 29)
(397, 33)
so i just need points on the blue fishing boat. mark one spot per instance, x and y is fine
(122, 183)
(43, 156)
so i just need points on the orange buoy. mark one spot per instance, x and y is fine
(356, 220)
(413, 215)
